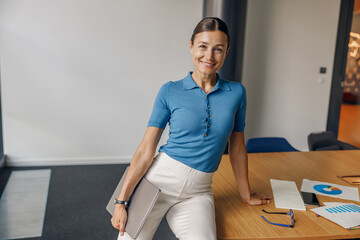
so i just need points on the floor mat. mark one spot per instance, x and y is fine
(23, 204)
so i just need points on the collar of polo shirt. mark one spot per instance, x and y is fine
(189, 83)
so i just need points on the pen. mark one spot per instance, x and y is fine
(353, 228)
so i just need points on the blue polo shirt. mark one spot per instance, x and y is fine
(200, 124)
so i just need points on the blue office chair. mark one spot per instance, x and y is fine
(269, 144)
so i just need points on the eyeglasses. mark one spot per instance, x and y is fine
(291, 213)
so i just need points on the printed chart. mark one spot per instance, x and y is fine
(330, 189)
(327, 189)
(344, 208)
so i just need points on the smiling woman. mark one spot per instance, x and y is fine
(204, 112)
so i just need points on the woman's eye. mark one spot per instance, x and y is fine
(219, 50)
(202, 46)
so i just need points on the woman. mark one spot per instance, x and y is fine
(204, 113)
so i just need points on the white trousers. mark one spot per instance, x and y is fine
(186, 199)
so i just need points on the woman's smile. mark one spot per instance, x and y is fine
(208, 65)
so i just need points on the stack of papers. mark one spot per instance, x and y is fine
(346, 215)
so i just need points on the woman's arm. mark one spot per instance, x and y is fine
(239, 163)
(140, 163)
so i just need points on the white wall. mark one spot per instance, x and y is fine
(79, 76)
(286, 43)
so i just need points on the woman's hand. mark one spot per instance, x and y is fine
(259, 199)
(119, 218)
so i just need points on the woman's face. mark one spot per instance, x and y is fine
(209, 51)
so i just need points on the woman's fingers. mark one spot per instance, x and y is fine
(122, 227)
(259, 199)
(115, 223)
(256, 201)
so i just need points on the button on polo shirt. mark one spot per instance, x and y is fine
(200, 124)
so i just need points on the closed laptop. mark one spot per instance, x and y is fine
(140, 205)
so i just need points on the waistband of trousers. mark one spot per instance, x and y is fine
(183, 170)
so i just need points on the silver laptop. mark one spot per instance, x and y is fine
(141, 203)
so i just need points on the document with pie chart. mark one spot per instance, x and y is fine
(330, 190)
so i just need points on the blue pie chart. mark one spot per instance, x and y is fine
(327, 189)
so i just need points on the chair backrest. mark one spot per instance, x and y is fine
(322, 141)
(269, 144)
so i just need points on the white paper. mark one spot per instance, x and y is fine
(330, 190)
(287, 195)
(332, 204)
(346, 215)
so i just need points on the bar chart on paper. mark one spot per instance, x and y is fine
(346, 215)
(343, 209)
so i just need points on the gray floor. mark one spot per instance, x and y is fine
(76, 203)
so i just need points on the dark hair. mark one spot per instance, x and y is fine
(211, 24)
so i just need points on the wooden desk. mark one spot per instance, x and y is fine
(237, 220)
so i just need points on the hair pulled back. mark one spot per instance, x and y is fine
(211, 24)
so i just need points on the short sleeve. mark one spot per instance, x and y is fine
(241, 112)
(161, 113)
